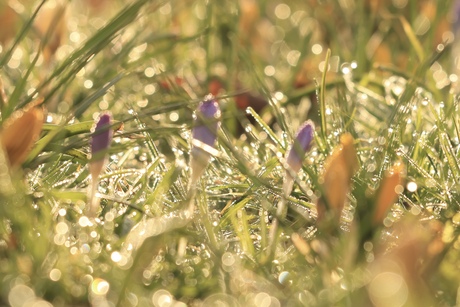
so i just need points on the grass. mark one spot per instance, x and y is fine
(390, 85)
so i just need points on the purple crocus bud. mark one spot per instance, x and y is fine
(206, 122)
(296, 154)
(301, 145)
(100, 143)
(102, 137)
(204, 135)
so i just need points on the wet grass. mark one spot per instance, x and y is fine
(390, 86)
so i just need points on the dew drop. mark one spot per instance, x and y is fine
(116, 257)
(346, 68)
(162, 298)
(20, 294)
(100, 286)
(412, 186)
(55, 274)
(283, 277)
(388, 289)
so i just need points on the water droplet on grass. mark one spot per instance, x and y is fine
(456, 219)
(100, 286)
(283, 277)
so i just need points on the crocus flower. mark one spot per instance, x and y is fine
(296, 153)
(101, 139)
(20, 131)
(295, 156)
(339, 168)
(387, 193)
(100, 143)
(204, 136)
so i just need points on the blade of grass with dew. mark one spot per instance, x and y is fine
(295, 95)
(239, 221)
(50, 136)
(397, 116)
(206, 221)
(140, 186)
(151, 245)
(263, 222)
(265, 127)
(71, 129)
(164, 186)
(20, 87)
(449, 153)
(242, 164)
(231, 209)
(85, 103)
(422, 172)
(446, 145)
(68, 195)
(401, 111)
(155, 153)
(77, 128)
(68, 69)
(77, 154)
(416, 45)
(275, 106)
(246, 197)
(322, 98)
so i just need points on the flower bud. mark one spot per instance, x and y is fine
(296, 154)
(339, 168)
(102, 137)
(20, 131)
(301, 145)
(387, 193)
(204, 135)
(99, 143)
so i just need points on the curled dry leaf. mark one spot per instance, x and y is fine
(20, 131)
(339, 169)
(388, 193)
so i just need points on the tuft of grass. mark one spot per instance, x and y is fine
(379, 71)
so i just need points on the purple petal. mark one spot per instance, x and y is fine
(204, 133)
(301, 145)
(206, 122)
(456, 13)
(102, 137)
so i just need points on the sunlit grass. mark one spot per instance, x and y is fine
(386, 138)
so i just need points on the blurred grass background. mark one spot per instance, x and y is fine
(383, 71)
